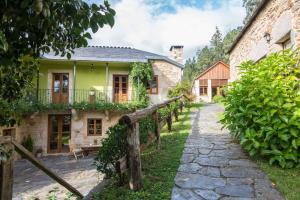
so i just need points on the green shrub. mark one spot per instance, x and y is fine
(262, 109)
(218, 99)
(28, 143)
(113, 148)
(181, 88)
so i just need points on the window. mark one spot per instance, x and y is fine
(9, 132)
(286, 44)
(203, 91)
(94, 127)
(152, 87)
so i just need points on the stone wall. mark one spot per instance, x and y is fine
(168, 76)
(279, 18)
(37, 127)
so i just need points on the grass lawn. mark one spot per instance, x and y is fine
(159, 167)
(287, 181)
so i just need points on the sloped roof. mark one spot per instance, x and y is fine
(259, 8)
(112, 54)
(210, 68)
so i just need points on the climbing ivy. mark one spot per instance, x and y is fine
(141, 74)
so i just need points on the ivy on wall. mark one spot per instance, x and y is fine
(141, 74)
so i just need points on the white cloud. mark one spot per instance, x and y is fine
(137, 25)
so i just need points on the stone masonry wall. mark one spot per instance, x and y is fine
(168, 76)
(279, 18)
(37, 127)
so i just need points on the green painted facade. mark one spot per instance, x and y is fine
(89, 76)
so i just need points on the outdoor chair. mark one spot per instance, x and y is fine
(77, 152)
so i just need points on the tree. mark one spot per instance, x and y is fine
(30, 28)
(205, 58)
(189, 69)
(250, 6)
(216, 44)
(228, 40)
(208, 55)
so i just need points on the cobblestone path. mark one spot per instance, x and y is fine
(213, 166)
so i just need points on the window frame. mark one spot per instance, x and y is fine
(94, 126)
(202, 88)
(155, 78)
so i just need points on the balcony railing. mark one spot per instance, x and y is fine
(79, 95)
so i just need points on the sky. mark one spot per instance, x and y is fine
(155, 25)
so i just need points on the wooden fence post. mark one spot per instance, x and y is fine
(6, 170)
(135, 168)
(175, 111)
(181, 106)
(169, 119)
(157, 129)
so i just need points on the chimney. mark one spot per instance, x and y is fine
(176, 52)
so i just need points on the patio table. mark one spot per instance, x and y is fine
(90, 148)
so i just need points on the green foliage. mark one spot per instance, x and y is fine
(26, 108)
(208, 55)
(250, 6)
(181, 88)
(30, 28)
(146, 126)
(218, 99)
(159, 166)
(140, 75)
(5, 153)
(262, 109)
(28, 143)
(113, 148)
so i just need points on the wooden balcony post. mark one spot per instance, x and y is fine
(169, 119)
(157, 129)
(6, 171)
(135, 168)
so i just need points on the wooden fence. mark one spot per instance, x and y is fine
(133, 140)
(133, 158)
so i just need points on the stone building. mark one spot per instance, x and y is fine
(210, 82)
(274, 26)
(94, 75)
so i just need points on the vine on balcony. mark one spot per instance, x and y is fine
(141, 74)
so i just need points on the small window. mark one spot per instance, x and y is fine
(94, 127)
(9, 132)
(203, 91)
(152, 87)
(287, 44)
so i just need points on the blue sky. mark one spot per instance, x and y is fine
(155, 25)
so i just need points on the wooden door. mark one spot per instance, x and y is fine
(120, 85)
(59, 133)
(60, 88)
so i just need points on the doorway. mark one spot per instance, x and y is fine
(120, 88)
(59, 133)
(60, 88)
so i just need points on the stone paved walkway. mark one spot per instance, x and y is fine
(214, 167)
(32, 183)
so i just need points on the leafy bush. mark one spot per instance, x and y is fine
(113, 148)
(262, 109)
(218, 99)
(28, 143)
(181, 88)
